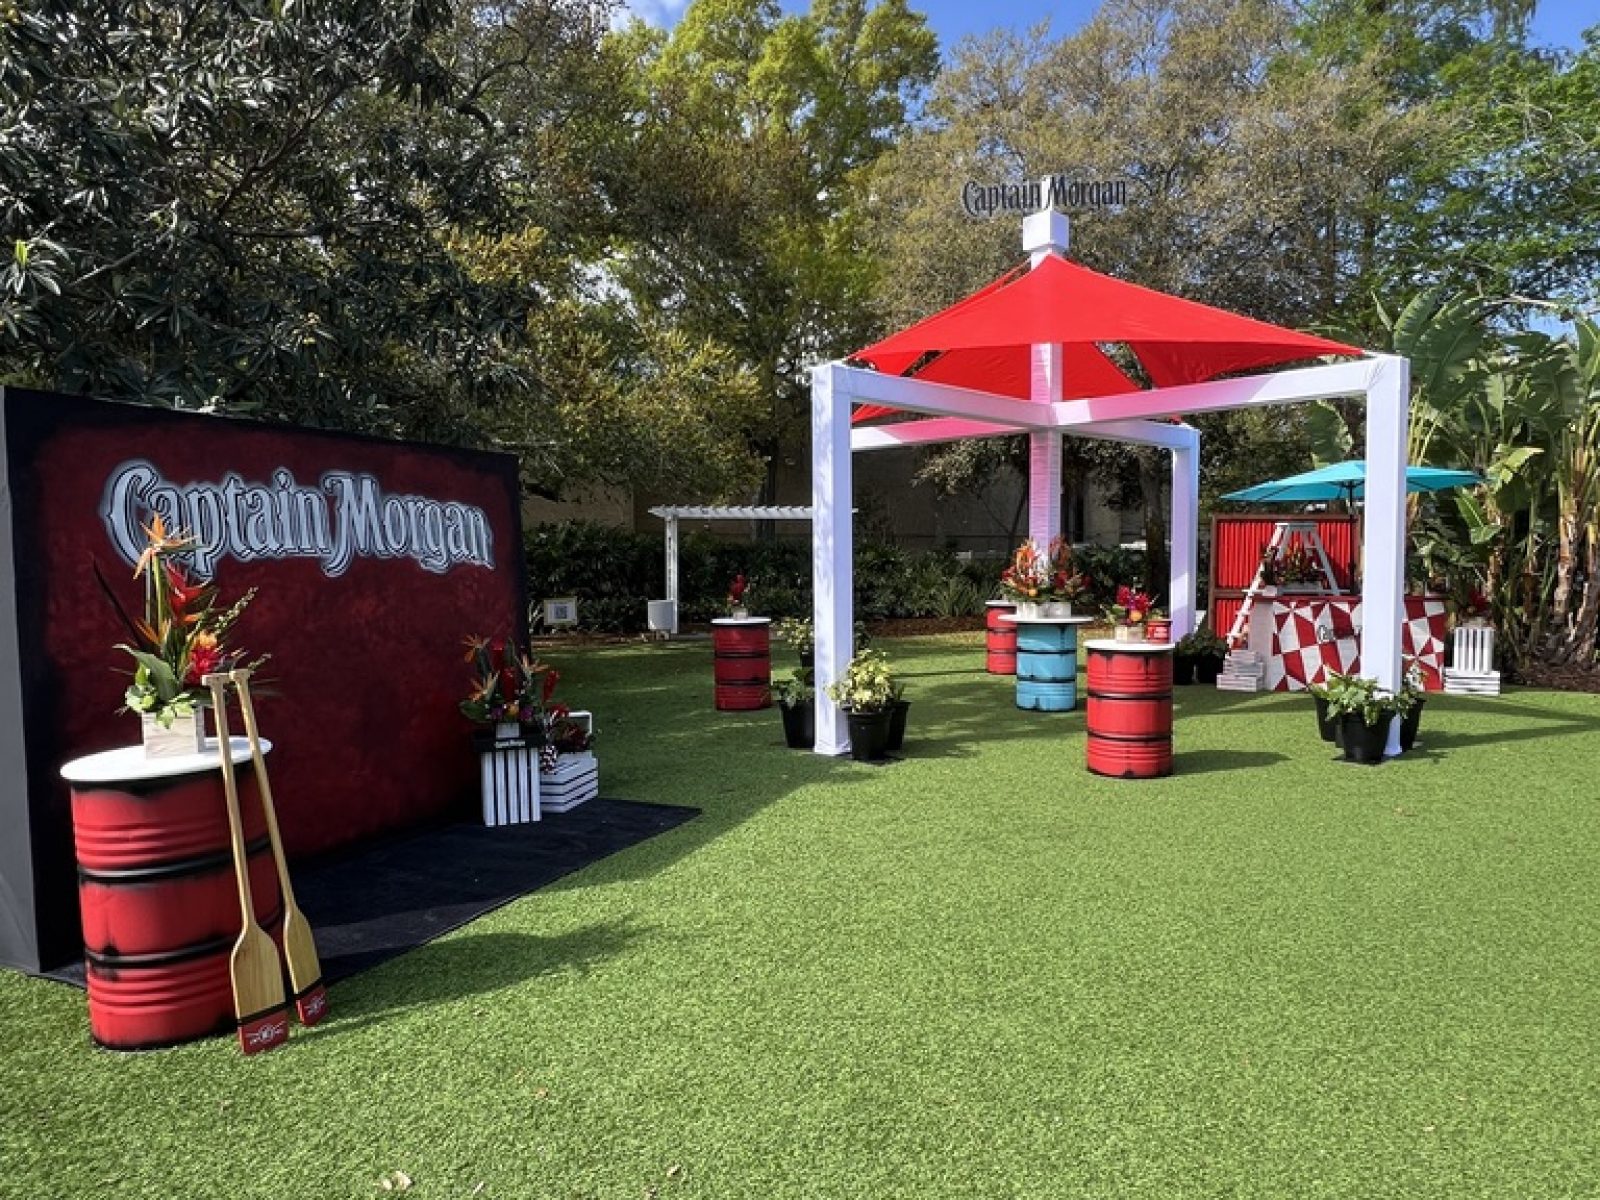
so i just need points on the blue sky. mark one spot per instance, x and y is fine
(1556, 23)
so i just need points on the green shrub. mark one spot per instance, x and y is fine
(614, 572)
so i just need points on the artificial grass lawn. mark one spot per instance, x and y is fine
(980, 972)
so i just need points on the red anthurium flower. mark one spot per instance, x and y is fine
(551, 678)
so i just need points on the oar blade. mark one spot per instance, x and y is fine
(258, 998)
(305, 972)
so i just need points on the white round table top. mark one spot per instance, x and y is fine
(128, 764)
(741, 620)
(1130, 647)
(1016, 620)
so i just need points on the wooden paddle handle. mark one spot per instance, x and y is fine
(241, 681)
(241, 875)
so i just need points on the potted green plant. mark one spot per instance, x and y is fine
(798, 635)
(1365, 713)
(899, 710)
(1414, 692)
(796, 705)
(1204, 651)
(866, 693)
(1327, 726)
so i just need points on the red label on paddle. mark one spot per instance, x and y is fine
(312, 1006)
(264, 1032)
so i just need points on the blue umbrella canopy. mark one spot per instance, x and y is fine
(1347, 481)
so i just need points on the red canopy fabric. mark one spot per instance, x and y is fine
(983, 342)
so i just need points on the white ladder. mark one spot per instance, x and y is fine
(1284, 534)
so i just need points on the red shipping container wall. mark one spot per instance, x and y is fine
(1237, 539)
(1236, 543)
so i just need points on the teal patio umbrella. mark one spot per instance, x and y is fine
(1347, 481)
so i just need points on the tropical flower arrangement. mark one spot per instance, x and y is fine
(182, 636)
(1035, 577)
(510, 686)
(506, 685)
(1131, 608)
(736, 594)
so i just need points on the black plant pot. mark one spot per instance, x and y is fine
(1207, 667)
(1183, 668)
(1409, 725)
(897, 725)
(808, 660)
(1364, 743)
(869, 734)
(799, 725)
(1327, 726)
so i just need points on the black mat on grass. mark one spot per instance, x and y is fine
(379, 901)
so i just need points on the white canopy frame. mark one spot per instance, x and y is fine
(672, 514)
(1141, 418)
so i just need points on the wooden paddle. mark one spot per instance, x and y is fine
(299, 947)
(257, 974)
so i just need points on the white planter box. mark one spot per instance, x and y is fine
(575, 779)
(509, 773)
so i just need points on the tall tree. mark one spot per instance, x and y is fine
(744, 195)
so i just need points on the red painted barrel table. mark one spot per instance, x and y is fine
(1129, 717)
(1000, 639)
(156, 889)
(741, 650)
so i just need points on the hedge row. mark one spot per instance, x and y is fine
(613, 572)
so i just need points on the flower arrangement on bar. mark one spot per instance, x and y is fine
(1033, 578)
(1290, 565)
(1129, 613)
(736, 597)
(181, 638)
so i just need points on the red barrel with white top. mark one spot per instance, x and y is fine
(156, 889)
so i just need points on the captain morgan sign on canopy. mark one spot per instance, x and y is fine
(1053, 191)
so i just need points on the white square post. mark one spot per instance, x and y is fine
(1184, 528)
(672, 570)
(1384, 540)
(832, 548)
(1044, 233)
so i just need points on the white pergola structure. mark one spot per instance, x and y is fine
(1141, 417)
(672, 514)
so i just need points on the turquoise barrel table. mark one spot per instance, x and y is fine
(1047, 661)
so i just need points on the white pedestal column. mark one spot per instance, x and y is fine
(1384, 541)
(1184, 582)
(832, 551)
